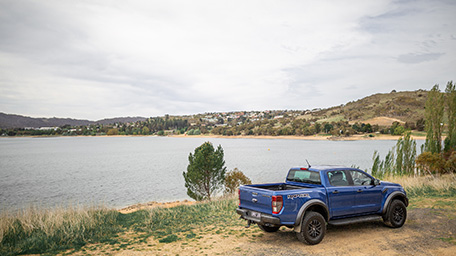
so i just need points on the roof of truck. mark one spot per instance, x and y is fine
(323, 167)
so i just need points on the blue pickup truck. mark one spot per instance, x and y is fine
(312, 197)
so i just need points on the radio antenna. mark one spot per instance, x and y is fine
(308, 164)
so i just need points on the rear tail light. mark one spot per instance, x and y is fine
(277, 204)
(239, 196)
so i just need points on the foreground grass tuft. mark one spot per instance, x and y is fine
(50, 231)
(38, 231)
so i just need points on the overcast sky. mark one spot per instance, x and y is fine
(97, 59)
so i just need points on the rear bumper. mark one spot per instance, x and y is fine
(264, 218)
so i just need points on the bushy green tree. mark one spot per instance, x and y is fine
(113, 131)
(205, 172)
(145, 130)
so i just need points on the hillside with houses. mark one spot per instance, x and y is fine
(388, 113)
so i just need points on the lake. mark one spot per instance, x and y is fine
(121, 171)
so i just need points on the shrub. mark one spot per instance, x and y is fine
(233, 179)
(437, 163)
(113, 131)
(169, 239)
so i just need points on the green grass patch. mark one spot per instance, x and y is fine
(166, 221)
(429, 191)
(449, 239)
(169, 239)
(418, 133)
(191, 235)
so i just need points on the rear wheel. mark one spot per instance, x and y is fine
(313, 228)
(268, 228)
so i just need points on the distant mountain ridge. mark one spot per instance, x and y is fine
(17, 121)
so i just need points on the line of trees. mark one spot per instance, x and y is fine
(438, 157)
(435, 157)
(303, 127)
(400, 160)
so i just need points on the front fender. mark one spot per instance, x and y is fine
(393, 195)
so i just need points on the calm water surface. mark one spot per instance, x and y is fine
(120, 171)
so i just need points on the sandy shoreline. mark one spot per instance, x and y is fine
(154, 204)
(294, 137)
(287, 137)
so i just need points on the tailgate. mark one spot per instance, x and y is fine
(255, 199)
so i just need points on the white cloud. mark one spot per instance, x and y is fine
(97, 59)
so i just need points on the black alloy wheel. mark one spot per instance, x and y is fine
(398, 214)
(313, 228)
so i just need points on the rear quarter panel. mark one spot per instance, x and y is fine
(294, 200)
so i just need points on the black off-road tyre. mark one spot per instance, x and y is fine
(396, 215)
(313, 228)
(268, 228)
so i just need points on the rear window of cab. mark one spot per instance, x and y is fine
(304, 176)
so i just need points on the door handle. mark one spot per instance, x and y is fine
(359, 190)
(335, 192)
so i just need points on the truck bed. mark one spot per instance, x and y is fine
(258, 197)
(275, 187)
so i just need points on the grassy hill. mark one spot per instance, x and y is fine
(381, 109)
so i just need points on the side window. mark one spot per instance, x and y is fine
(360, 179)
(337, 178)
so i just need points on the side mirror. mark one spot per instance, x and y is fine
(376, 182)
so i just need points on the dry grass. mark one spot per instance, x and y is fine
(442, 182)
(36, 230)
(427, 186)
(381, 121)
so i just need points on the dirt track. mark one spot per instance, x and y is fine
(422, 235)
(426, 232)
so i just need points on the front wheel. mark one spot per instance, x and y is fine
(268, 228)
(313, 228)
(397, 214)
